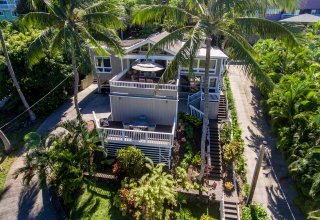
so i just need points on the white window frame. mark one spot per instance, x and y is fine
(198, 70)
(105, 69)
(215, 87)
(14, 13)
(5, 2)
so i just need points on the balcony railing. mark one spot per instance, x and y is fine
(213, 97)
(7, 6)
(160, 139)
(140, 85)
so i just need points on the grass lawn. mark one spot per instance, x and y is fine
(197, 210)
(97, 203)
(5, 163)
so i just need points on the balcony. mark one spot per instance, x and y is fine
(143, 84)
(114, 132)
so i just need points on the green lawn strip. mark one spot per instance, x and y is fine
(5, 163)
(197, 210)
(16, 139)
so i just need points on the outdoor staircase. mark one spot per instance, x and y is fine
(222, 113)
(215, 150)
(230, 210)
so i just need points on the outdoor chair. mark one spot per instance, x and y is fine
(152, 127)
(133, 78)
(126, 125)
(149, 81)
(142, 80)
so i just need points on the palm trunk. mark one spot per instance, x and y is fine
(14, 79)
(6, 142)
(76, 86)
(206, 108)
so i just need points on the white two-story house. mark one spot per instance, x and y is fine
(144, 111)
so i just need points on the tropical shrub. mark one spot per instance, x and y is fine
(130, 162)
(61, 160)
(225, 133)
(254, 212)
(206, 217)
(152, 195)
(231, 152)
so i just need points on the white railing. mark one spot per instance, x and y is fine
(212, 96)
(196, 112)
(119, 75)
(144, 85)
(185, 71)
(222, 208)
(208, 147)
(135, 136)
(194, 97)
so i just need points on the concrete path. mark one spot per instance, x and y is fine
(20, 202)
(256, 128)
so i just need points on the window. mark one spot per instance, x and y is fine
(14, 13)
(313, 12)
(212, 64)
(103, 64)
(3, 2)
(212, 84)
(1, 13)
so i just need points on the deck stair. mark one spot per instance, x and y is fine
(231, 210)
(222, 113)
(215, 150)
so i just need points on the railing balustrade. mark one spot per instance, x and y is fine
(196, 112)
(144, 85)
(194, 97)
(212, 97)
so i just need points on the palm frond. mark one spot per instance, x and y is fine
(99, 7)
(237, 51)
(107, 19)
(37, 48)
(109, 37)
(169, 40)
(160, 13)
(267, 29)
(40, 20)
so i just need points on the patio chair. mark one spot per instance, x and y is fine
(126, 125)
(133, 78)
(152, 127)
(142, 80)
(153, 75)
(149, 81)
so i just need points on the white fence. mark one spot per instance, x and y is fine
(144, 85)
(196, 112)
(135, 136)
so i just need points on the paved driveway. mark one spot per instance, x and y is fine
(256, 128)
(20, 202)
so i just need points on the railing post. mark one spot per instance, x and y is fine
(146, 137)
(122, 135)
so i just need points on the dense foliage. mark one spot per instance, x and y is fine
(37, 81)
(61, 160)
(150, 197)
(254, 212)
(294, 107)
(130, 162)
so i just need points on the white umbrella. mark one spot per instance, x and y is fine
(147, 66)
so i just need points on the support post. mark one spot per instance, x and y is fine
(256, 172)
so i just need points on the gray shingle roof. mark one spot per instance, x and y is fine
(304, 18)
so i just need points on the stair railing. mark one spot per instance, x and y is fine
(222, 208)
(208, 147)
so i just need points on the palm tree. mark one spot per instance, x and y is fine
(205, 21)
(72, 26)
(14, 78)
(6, 142)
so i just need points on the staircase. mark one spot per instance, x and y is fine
(230, 210)
(215, 150)
(222, 113)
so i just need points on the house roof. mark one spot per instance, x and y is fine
(129, 43)
(176, 46)
(304, 19)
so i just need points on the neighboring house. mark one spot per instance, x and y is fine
(304, 19)
(144, 111)
(306, 7)
(8, 10)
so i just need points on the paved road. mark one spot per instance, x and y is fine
(256, 128)
(20, 202)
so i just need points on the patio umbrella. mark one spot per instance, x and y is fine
(147, 66)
